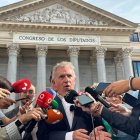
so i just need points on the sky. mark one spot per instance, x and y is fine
(128, 9)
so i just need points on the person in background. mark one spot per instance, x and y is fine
(122, 86)
(5, 87)
(25, 106)
(76, 124)
(129, 123)
(52, 85)
(13, 130)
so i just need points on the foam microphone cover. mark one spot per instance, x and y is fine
(97, 97)
(54, 116)
(21, 85)
(91, 91)
(44, 99)
(54, 104)
(51, 91)
(69, 97)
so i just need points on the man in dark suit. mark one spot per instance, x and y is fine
(76, 124)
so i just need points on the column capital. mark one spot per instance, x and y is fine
(100, 51)
(13, 49)
(41, 50)
(73, 50)
(126, 52)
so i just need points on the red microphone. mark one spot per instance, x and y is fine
(44, 100)
(21, 86)
(54, 116)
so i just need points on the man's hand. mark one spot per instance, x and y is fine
(117, 88)
(95, 108)
(25, 108)
(80, 134)
(4, 93)
(120, 109)
(100, 134)
(36, 114)
(6, 102)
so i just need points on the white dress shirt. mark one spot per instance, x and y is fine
(70, 116)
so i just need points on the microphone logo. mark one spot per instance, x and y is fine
(49, 100)
(41, 96)
(57, 111)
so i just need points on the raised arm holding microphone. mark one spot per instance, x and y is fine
(75, 124)
(129, 124)
(122, 86)
(13, 130)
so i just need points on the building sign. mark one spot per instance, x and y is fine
(29, 38)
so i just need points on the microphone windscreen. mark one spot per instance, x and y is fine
(51, 91)
(69, 97)
(54, 104)
(91, 91)
(44, 99)
(54, 116)
(21, 85)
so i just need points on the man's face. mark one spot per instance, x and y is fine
(30, 93)
(64, 80)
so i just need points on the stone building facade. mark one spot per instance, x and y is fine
(35, 35)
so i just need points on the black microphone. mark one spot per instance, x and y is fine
(83, 99)
(97, 97)
(70, 96)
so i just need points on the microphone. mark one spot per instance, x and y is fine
(83, 99)
(54, 116)
(20, 99)
(95, 95)
(21, 86)
(44, 101)
(70, 96)
(54, 104)
(52, 92)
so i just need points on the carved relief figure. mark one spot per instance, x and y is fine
(56, 14)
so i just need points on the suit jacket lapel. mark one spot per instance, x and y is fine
(77, 114)
(61, 109)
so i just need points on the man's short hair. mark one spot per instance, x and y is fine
(62, 64)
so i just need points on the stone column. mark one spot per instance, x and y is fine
(118, 67)
(41, 67)
(93, 67)
(101, 70)
(73, 52)
(13, 51)
(127, 62)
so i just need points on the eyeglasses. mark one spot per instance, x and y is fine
(29, 91)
